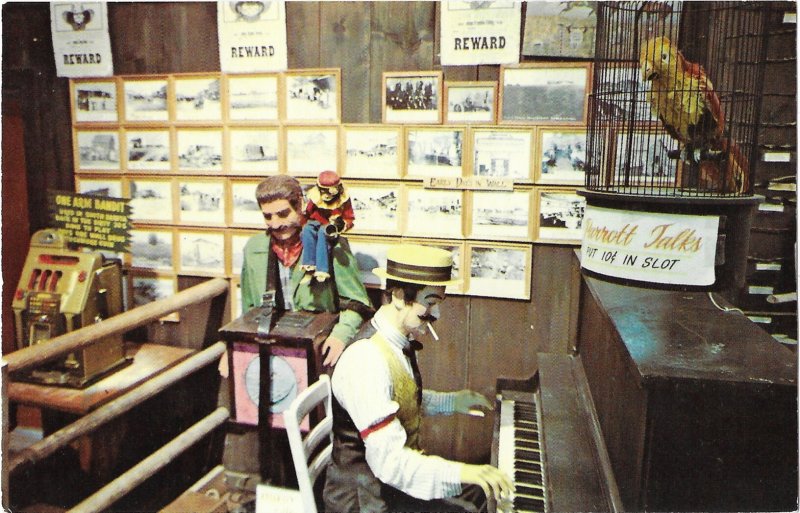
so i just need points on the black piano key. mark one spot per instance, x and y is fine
(522, 454)
(523, 476)
(528, 465)
(528, 444)
(528, 504)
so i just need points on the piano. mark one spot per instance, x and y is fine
(667, 404)
(546, 438)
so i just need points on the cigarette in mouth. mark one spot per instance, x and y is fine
(433, 332)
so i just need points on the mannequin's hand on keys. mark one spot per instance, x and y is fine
(471, 403)
(495, 482)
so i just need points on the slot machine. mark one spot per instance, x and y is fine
(61, 290)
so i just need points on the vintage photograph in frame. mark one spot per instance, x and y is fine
(201, 202)
(311, 150)
(201, 252)
(499, 270)
(199, 149)
(641, 157)
(437, 152)
(105, 187)
(198, 99)
(253, 98)
(152, 249)
(238, 239)
(456, 248)
(544, 93)
(148, 150)
(254, 150)
(147, 286)
(560, 216)
(501, 215)
(370, 253)
(619, 92)
(502, 153)
(376, 208)
(145, 99)
(312, 96)
(559, 29)
(560, 155)
(412, 97)
(434, 213)
(372, 151)
(245, 211)
(97, 150)
(94, 101)
(470, 102)
(151, 200)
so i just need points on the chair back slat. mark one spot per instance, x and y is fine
(321, 433)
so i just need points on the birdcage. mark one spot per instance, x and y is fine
(673, 121)
(675, 99)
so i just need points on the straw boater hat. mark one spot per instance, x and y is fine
(422, 265)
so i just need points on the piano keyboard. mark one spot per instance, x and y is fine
(519, 454)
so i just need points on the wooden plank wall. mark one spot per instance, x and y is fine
(481, 338)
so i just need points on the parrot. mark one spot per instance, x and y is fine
(682, 96)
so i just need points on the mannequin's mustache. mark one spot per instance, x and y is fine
(427, 318)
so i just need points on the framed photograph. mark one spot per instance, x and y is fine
(147, 287)
(254, 150)
(145, 99)
(201, 202)
(621, 96)
(311, 150)
(499, 270)
(289, 370)
(372, 151)
(152, 249)
(151, 200)
(253, 98)
(312, 96)
(561, 155)
(376, 208)
(470, 102)
(435, 152)
(238, 239)
(244, 207)
(198, 99)
(370, 253)
(502, 153)
(434, 213)
(107, 188)
(457, 249)
(94, 101)
(560, 216)
(199, 150)
(97, 150)
(559, 29)
(412, 97)
(148, 150)
(545, 93)
(201, 253)
(641, 157)
(501, 215)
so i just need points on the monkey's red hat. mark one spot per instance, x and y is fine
(328, 179)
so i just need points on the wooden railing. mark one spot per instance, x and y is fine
(34, 356)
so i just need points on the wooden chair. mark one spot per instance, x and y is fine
(311, 454)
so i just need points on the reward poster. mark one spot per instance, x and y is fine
(651, 247)
(81, 44)
(252, 36)
(480, 32)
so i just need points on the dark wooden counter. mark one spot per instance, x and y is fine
(698, 406)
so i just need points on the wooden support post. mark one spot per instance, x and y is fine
(115, 408)
(113, 491)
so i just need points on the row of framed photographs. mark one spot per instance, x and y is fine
(297, 96)
(545, 154)
(486, 269)
(528, 93)
(525, 214)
